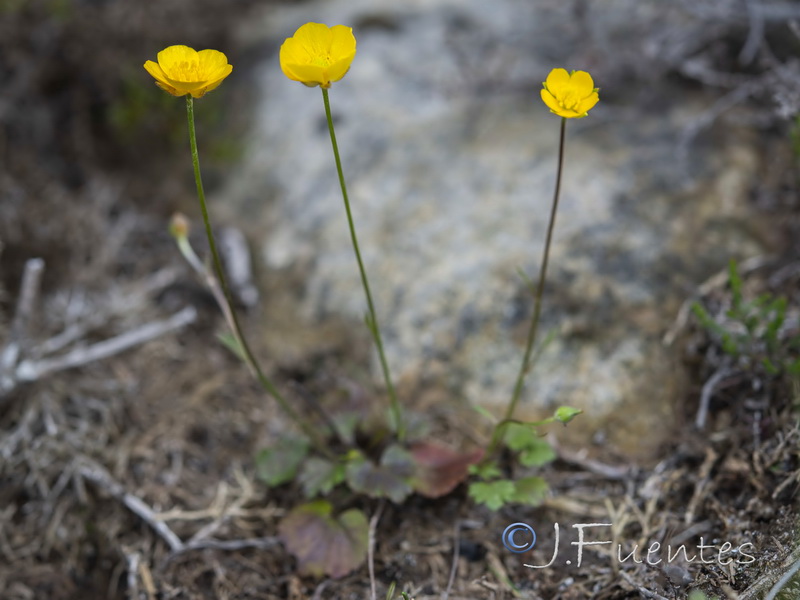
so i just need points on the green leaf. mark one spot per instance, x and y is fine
(565, 414)
(793, 368)
(390, 591)
(526, 280)
(324, 544)
(390, 479)
(320, 476)
(729, 344)
(484, 413)
(522, 438)
(346, 423)
(231, 343)
(492, 494)
(279, 464)
(530, 490)
(538, 453)
(775, 323)
(485, 470)
(534, 451)
(769, 366)
(706, 320)
(519, 436)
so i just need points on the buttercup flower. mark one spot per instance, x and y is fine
(180, 70)
(318, 54)
(569, 95)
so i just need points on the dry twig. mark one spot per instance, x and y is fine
(454, 568)
(29, 293)
(30, 370)
(373, 523)
(99, 476)
(15, 368)
(708, 391)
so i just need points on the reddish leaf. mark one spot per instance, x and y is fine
(440, 469)
(389, 479)
(324, 544)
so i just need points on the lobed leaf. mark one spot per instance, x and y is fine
(530, 490)
(519, 436)
(279, 464)
(322, 543)
(320, 476)
(440, 469)
(485, 470)
(534, 451)
(492, 494)
(538, 453)
(389, 479)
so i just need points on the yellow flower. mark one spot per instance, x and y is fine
(569, 95)
(181, 70)
(318, 54)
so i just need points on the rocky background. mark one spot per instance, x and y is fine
(450, 157)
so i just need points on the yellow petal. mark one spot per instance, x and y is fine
(289, 72)
(175, 60)
(211, 85)
(343, 43)
(550, 101)
(309, 74)
(181, 70)
(318, 54)
(292, 53)
(582, 83)
(161, 79)
(210, 62)
(315, 38)
(557, 81)
(170, 90)
(340, 68)
(587, 103)
(155, 70)
(186, 87)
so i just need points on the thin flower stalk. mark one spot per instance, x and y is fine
(570, 95)
(537, 309)
(230, 313)
(371, 319)
(318, 55)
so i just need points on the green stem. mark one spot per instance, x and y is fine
(526, 360)
(372, 321)
(252, 363)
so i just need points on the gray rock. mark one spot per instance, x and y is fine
(450, 158)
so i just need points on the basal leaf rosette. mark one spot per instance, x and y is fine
(317, 54)
(569, 95)
(181, 70)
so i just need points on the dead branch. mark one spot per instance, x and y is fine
(454, 567)
(33, 370)
(99, 476)
(128, 300)
(373, 524)
(708, 391)
(29, 293)
(263, 543)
